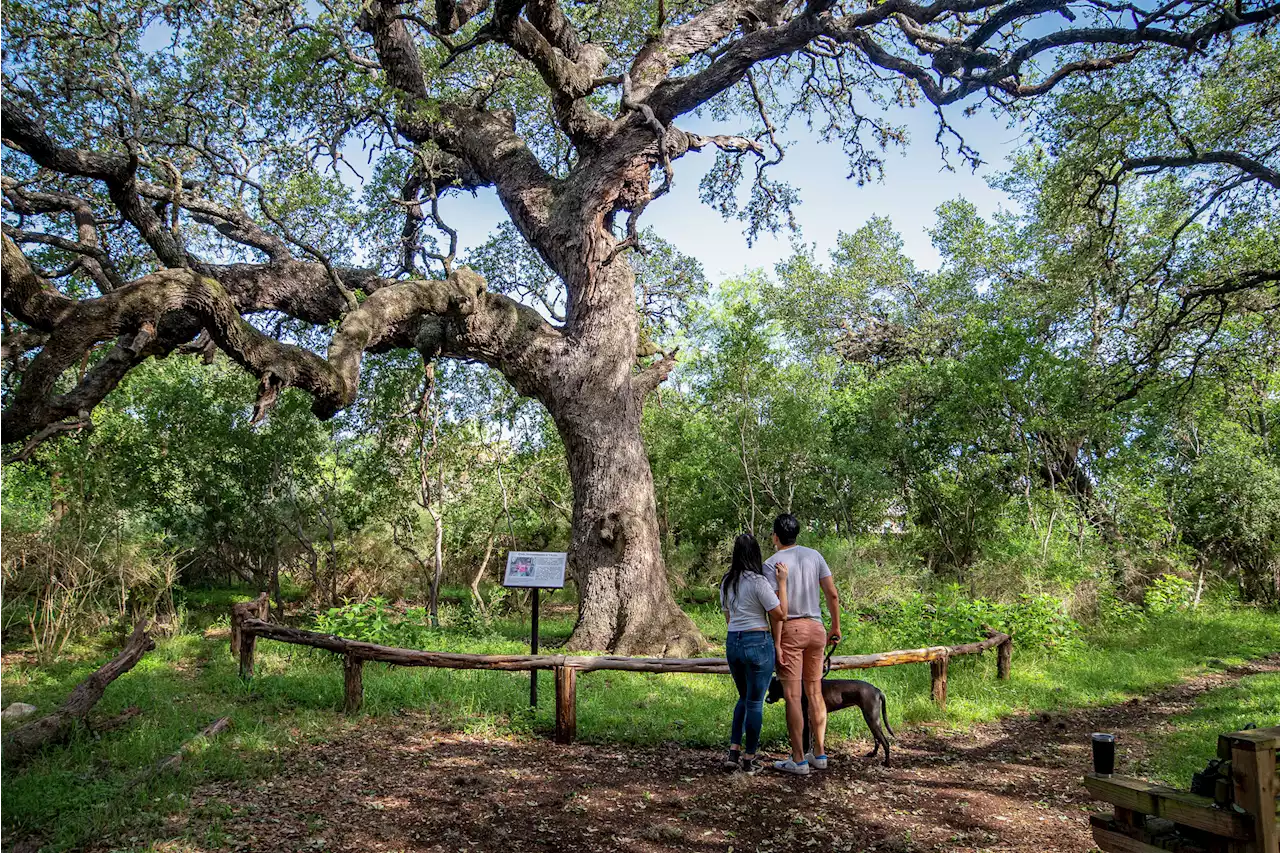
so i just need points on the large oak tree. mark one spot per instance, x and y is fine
(171, 185)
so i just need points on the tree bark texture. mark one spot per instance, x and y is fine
(566, 704)
(625, 600)
(938, 681)
(352, 684)
(1004, 659)
(258, 608)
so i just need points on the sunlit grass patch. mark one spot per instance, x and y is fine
(1192, 738)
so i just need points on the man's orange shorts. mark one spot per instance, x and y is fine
(803, 643)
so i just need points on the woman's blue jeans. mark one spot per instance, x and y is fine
(750, 655)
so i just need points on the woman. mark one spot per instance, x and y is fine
(748, 601)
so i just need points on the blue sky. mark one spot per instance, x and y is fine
(915, 183)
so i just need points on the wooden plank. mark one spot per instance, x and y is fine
(1158, 832)
(1117, 842)
(1255, 738)
(1253, 773)
(566, 704)
(1161, 801)
(1123, 791)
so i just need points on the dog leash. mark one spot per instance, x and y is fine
(826, 661)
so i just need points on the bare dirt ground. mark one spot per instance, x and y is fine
(1013, 785)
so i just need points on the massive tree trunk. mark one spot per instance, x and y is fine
(596, 400)
(625, 600)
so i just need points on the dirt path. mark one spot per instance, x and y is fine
(1006, 786)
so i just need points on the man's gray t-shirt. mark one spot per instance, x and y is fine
(805, 569)
(748, 603)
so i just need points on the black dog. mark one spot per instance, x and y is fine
(839, 694)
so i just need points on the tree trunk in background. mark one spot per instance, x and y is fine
(56, 487)
(479, 575)
(437, 523)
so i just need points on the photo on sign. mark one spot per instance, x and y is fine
(540, 569)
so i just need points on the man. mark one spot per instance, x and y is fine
(803, 641)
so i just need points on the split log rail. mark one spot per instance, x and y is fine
(246, 629)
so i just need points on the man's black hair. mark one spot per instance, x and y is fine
(786, 528)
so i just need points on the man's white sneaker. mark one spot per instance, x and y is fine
(817, 762)
(790, 766)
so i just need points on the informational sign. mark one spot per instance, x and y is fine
(536, 569)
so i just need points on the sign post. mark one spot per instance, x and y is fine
(536, 570)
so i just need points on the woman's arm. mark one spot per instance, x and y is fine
(781, 570)
(779, 614)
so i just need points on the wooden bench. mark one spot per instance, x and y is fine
(1152, 818)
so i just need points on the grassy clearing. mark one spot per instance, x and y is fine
(82, 790)
(1174, 756)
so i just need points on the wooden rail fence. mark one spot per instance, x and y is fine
(247, 626)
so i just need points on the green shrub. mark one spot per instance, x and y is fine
(375, 621)
(1114, 612)
(1169, 594)
(949, 617)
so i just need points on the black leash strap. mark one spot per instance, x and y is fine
(826, 662)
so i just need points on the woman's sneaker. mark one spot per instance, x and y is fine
(752, 766)
(790, 766)
(730, 764)
(817, 762)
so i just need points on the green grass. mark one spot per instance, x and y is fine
(1173, 756)
(81, 790)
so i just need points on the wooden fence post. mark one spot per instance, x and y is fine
(352, 684)
(1253, 774)
(1004, 659)
(938, 675)
(247, 642)
(566, 704)
(259, 608)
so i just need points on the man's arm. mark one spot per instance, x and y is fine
(833, 607)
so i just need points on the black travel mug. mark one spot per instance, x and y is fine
(1104, 753)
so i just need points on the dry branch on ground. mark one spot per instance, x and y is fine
(58, 726)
